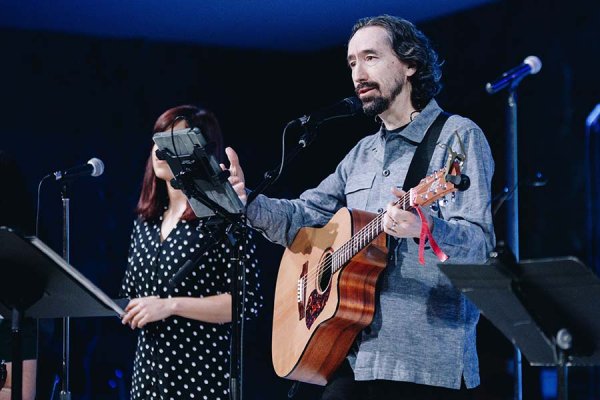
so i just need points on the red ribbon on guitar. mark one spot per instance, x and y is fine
(426, 235)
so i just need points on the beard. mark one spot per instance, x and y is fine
(378, 104)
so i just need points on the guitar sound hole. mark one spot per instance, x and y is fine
(325, 272)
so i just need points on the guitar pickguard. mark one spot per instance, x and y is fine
(314, 306)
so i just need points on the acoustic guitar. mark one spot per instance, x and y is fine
(325, 290)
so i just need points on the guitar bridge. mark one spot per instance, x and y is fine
(301, 292)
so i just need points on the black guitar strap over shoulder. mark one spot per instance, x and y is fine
(422, 157)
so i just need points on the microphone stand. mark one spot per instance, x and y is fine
(17, 358)
(237, 302)
(271, 175)
(308, 123)
(511, 80)
(512, 209)
(309, 133)
(65, 393)
(234, 226)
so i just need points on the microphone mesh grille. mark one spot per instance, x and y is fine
(97, 165)
(535, 64)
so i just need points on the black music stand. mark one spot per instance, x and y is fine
(198, 175)
(546, 307)
(39, 283)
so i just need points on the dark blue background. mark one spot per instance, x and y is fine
(67, 98)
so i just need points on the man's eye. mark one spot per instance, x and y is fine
(371, 60)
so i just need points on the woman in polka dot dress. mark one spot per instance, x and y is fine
(184, 339)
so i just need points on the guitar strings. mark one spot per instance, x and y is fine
(350, 248)
(346, 250)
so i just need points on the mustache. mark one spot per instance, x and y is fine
(366, 85)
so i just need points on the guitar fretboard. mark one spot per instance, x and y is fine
(363, 237)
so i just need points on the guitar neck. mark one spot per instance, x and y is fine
(366, 235)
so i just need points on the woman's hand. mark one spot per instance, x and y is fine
(143, 310)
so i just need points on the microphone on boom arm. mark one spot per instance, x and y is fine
(345, 108)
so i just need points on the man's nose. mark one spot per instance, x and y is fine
(359, 73)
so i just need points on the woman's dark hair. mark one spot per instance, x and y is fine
(412, 47)
(154, 197)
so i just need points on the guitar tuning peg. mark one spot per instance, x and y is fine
(453, 197)
(435, 207)
(443, 201)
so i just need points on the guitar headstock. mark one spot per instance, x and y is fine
(431, 188)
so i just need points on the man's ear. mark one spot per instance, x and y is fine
(411, 70)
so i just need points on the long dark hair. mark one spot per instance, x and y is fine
(154, 196)
(413, 48)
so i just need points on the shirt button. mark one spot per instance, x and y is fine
(386, 172)
(379, 210)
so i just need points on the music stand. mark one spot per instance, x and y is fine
(39, 283)
(546, 307)
(198, 175)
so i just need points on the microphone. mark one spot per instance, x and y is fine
(94, 167)
(530, 66)
(345, 108)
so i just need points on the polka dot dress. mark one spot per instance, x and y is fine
(180, 358)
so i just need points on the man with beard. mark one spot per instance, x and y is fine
(421, 341)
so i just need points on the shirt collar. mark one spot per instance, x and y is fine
(415, 131)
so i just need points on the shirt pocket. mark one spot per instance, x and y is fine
(357, 190)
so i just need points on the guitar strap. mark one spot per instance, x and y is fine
(417, 171)
(422, 157)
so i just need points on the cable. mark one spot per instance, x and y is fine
(37, 205)
(282, 162)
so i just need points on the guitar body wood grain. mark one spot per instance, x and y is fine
(312, 352)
